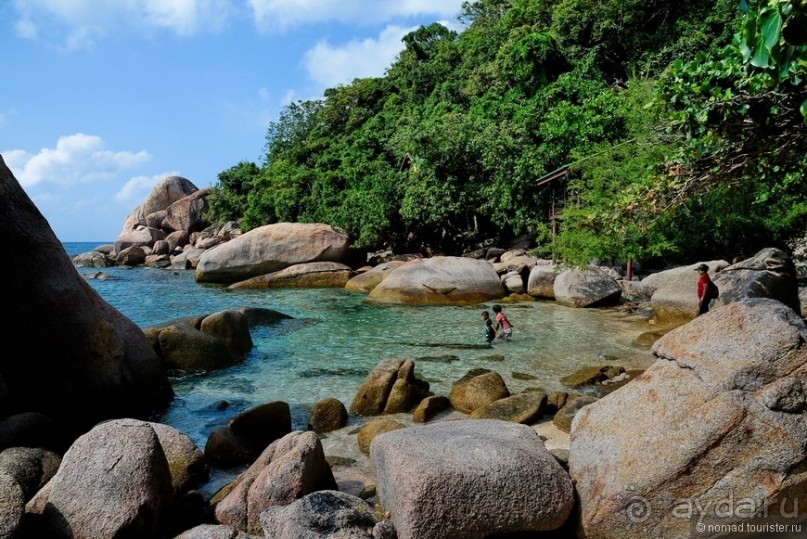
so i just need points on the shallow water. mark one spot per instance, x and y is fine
(337, 336)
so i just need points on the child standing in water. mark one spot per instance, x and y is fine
(503, 327)
(490, 333)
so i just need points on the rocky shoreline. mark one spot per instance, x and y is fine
(719, 419)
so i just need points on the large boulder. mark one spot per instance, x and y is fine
(586, 287)
(768, 274)
(327, 415)
(469, 479)
(541, 282)
(185, 348)
(307, 275)
(441, 280)
(166, 192)
(114, 481)
(271, 248)
(526, 408)
(365, 282)
(142, 236)
(202, 342)
(187, 213)
(231, 326)
(186, 463)
(721, 416)
(248, 434)
(478, 388)
(391, 387)
(287, 470)
(84, 361)
(674, 292)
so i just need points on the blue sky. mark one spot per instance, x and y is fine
(101, 99)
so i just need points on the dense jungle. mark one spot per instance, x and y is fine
(615, 130)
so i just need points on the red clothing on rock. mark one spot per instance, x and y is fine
(702, 283)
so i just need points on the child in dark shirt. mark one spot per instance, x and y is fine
(490, 333)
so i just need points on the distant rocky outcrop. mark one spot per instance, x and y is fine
(84, 361)
(168, 230)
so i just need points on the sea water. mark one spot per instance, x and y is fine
(336, 337)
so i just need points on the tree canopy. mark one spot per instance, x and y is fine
(681, 126)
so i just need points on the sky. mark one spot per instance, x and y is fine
(102, 99)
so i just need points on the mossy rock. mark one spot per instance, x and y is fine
(590, 376)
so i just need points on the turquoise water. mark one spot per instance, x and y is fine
(337, 336)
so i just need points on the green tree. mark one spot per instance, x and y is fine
(228, 199)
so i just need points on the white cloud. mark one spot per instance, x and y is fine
(75, 24)
(330, 66)
(288, 97)
(140, 186)
(80, 24)
(26, 29)
(280, 14)
(76, 159)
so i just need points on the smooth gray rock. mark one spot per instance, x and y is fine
(588, 287)
(114, 481)
(674, 292)
(768, 274)
(469, 479)
(440, 280)
(271, 248)
(306, 275)
(365, 282)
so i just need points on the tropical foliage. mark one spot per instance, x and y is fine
(677, 128)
